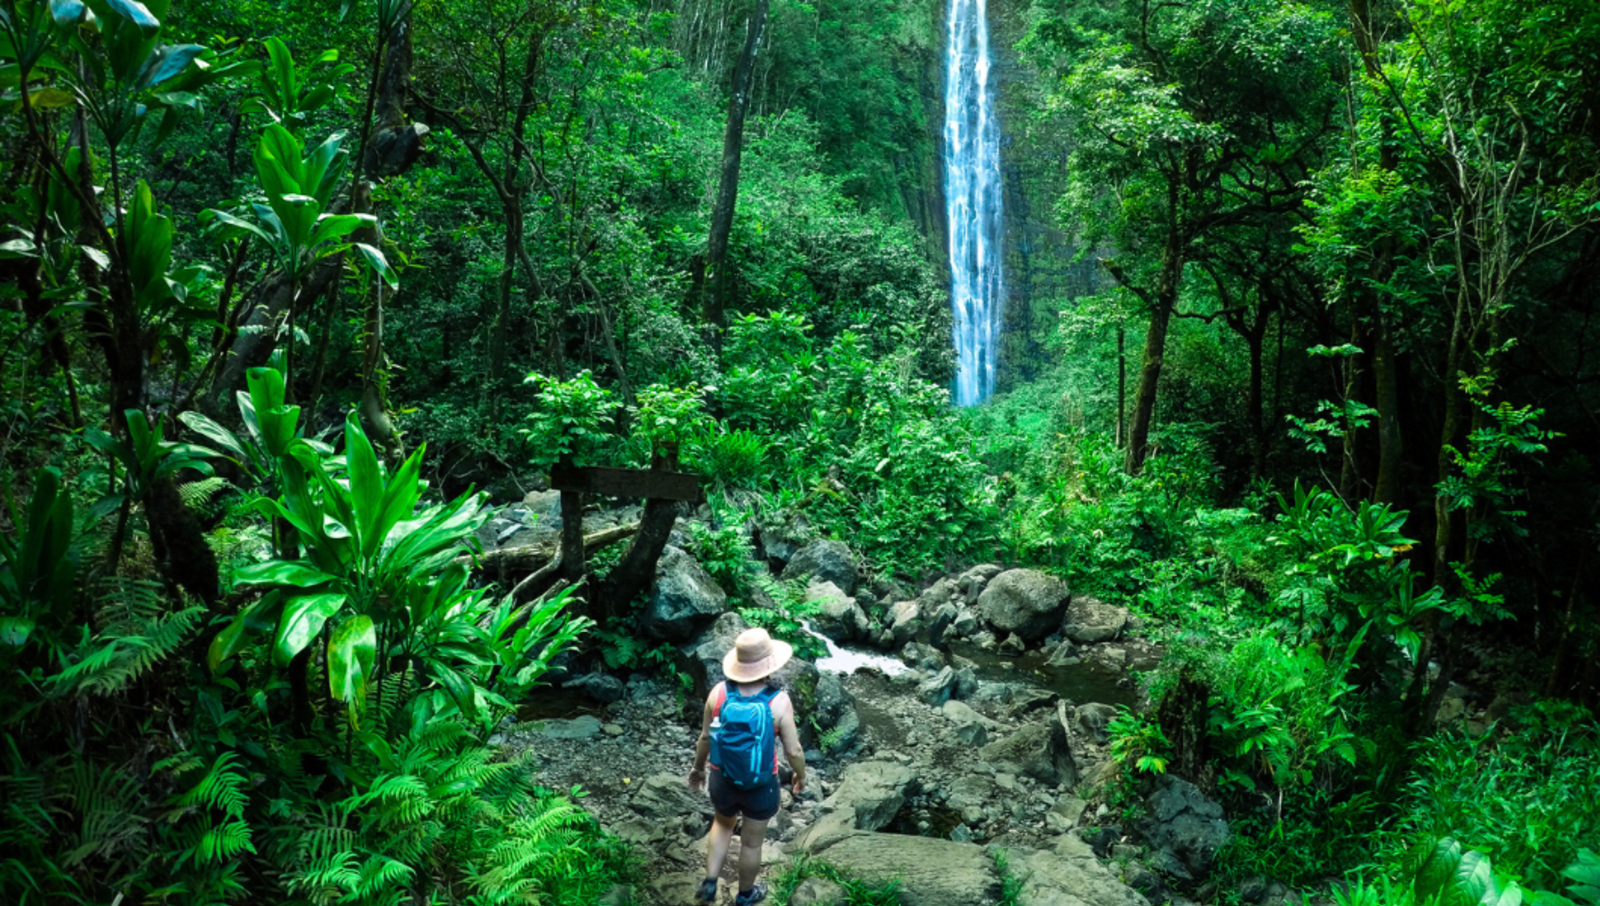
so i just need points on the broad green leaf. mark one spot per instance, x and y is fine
(379, 263)
(366, 485)
(232, 226)
(302, 619)
(222, 437)
(227, 642)
(352, 652)
(266, 390)
(14, 631)
(168, 62)
(280, 572)
(1472, 880)
(336, 226)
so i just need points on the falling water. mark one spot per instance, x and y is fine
(972, 201)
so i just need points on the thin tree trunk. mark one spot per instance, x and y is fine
(720, 284)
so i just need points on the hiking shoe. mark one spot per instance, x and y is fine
(708, 891)
(755, 895)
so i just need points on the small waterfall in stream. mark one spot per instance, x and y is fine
(843, 660)
(972, 200)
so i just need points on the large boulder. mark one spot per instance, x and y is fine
(1184, 828)
(1069, 875)
(836, 715)
(1025, 602)
(970, 728)
(828, 561)
(874, 790)
(779, 543)
(1039, 750)
(931, 872)
(702, 658)
(663, 798)
(839, 616)
(1091, 620)
(905, 621)
(683, 601)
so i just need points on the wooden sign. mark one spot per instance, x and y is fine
(647, 483)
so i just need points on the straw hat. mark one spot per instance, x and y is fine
(755, 656)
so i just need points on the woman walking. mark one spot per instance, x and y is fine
(744, 718)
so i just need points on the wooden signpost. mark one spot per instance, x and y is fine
(662, 488)
(647, 483)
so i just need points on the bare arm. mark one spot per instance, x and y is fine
(790, 734)
(702, 746)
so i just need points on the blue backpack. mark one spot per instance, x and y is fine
(743, 743)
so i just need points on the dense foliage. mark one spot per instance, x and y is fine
(285, 284)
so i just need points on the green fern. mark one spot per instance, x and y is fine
(203, 497)
(123, 652)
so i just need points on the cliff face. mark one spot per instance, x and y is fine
(1039, 273)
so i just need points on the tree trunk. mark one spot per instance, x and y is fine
(1162, 305)
(511, 191)
(714, 307)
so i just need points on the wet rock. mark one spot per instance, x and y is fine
(1038, 750)
(684, 600)
(1013, 645)
(1089, 620)
(827, 561)
(1184, 828)
(1063, 655)
(613, 730)
(1069, 875)
(1025, 602)
(584, 726)
(815, 891)
(938, 594)
(839, 616)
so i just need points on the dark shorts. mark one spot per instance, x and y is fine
(758, 804)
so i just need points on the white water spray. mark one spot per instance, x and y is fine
(843, 660)
(972, 200)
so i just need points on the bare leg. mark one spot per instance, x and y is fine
(717, 843)
(755, 832)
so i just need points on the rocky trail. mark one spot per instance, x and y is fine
(985, 733)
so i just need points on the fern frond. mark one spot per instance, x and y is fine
(114, 660)
(223, 787)
(201, 497)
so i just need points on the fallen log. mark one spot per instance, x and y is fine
(530, 557)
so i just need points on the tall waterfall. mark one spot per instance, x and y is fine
(972, 200)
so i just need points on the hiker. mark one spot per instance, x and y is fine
(743, 718)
